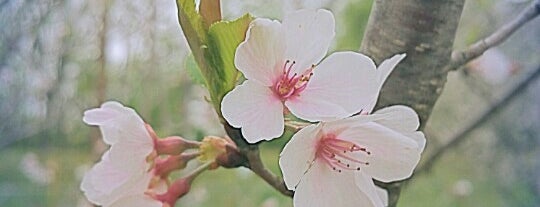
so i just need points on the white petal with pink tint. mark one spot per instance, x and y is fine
(342, 85)
(336, 161)
(132, 154)
(123, 169)
(108, 181)
(383, 71)
(393, 155)
(260, 56)
(322, 187)
(366, 185)
(256, 110)
(298, 155)
(404, 120)
(116, 122)
(308, 34)
(140, 200)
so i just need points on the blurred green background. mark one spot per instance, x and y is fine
(59, 58)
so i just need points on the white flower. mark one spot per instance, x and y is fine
(123, 169)
(108, 181)
(333, 163)
(279, 62)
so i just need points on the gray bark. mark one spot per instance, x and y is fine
(425, 30)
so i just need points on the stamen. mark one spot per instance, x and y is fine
(285, 67)
(290, 85)
(334, 152)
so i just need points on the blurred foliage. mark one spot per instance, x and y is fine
(353, 20)
(50, 61)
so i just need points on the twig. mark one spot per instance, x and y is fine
(460, 58)
(482, 118)
(256, 165)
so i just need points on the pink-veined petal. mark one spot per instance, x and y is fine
(116, 122)
(342, 85)
(308, 35)
(383, 71)
(393, 155)
(298, 155)
(140, 200)
(256, 110)
(260, 56)
(322, 187)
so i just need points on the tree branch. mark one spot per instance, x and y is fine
(256, 165)
(254, 162)
(460, 58)
(482, 118)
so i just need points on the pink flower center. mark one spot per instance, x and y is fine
(289, 84)
(339, 154)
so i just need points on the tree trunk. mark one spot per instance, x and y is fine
(425, 30)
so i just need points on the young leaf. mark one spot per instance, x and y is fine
(193, 70)
(223, 39)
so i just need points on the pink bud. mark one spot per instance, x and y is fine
(173, 145)
(164, 166)
(177, 190)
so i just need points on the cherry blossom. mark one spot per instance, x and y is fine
(333, 163)
(281, 64)
(128, 167)
(109, 180)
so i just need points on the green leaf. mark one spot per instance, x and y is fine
(223, 39)
(213, 49)
(191, 20)
(193, 70)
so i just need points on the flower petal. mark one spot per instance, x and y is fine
(107, 181)
(136, 201)
(298, 155)
(383, 194)
(342, 85)
(383, 71)
(108, 110)
(116, 122)
(256, 110)
(314, 109)
(308, 36)
(322, 187)
(404, 120)
(260, 56)
(132, 155)
(366, 185)
(393, 155)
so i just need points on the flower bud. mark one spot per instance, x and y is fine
(164, 166)
(176, 191)
(173, 145)
(211, 148)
